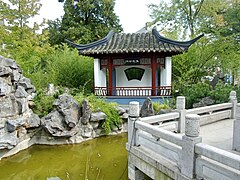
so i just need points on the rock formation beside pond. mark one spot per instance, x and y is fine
(72, 122)
(68, 123)
(16, 93)
(62, 121)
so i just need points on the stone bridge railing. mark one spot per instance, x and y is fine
(154, 150)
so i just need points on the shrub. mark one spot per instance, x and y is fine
(221, 93)
(68, 69)
(113, 119)
(195, 93)
(43, 104)
(158, 106)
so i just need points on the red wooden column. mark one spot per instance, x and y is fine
(154, 69)
(110, 70)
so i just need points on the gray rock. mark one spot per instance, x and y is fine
(12, 125)
(16, 75)
(5, 71)
(33, 121)
(147, 108)
(120, 110)
(31, 90)
(124, 116)
(53, 123)
(22, 105)
(21, 93)
(164, 111)
(8, 63)
(86, 112)
(50, 89)
(86, 131)
(94, 125)
(114, 129)
(98, 116)
(26, 83)
(8, 107)
(5, 88)
(21, 132)
(2, 124)
(8, 141)
(69, 108)
(206, 101)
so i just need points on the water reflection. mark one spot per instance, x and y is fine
(102, 158)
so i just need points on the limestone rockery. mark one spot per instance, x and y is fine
(69, 122)
(16, 93)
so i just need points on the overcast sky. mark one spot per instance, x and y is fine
(133, 14)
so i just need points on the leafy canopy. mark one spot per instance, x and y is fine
(84, 21)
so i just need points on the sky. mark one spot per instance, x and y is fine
(133, 14)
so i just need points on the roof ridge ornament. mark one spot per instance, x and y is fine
(102, 41)
(170, 41)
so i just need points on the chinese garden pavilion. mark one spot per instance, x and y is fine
(133, 66)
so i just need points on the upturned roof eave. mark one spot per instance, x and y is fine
(82, 47)
(185, 44)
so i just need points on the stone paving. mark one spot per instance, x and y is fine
(218, 134)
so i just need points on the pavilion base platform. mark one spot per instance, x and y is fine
(125, 100)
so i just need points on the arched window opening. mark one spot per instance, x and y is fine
(134, 73)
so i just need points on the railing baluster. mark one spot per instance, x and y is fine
(133, 91)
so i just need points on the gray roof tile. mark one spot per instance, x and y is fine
(117, 43)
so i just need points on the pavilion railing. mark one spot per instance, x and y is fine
(133, 91)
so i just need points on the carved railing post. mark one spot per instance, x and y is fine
(236, 130)
(180, 105)
(233, 100)
(133, 115)
(133, 172)
(190, 138)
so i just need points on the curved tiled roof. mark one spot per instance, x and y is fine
(117, 43)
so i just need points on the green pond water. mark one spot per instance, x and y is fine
(97, 159)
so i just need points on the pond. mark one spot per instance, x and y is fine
(97, 159)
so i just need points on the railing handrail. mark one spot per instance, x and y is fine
(160, 117)
(219, 155)
(159, 133)
(210, 108)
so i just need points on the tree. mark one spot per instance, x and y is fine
(22, 42)
(189, 17)
(84, 21)
(219, 19)
(16, 14)
(177, 15)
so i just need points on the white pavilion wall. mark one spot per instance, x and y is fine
(99, 74)
(122, 81)
(166, 73)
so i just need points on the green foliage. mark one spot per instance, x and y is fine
(66, 68)
(219, 19)
(113, 119)
(177, 15)
(84, 21)
(190, 67)
(195, 93)
(158, 106)
(220, 94)
(43, 104)
(100, 104)
(22, 42)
